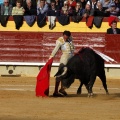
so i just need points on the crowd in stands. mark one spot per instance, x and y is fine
(52, 9)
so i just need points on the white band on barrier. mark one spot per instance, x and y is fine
(42, 64)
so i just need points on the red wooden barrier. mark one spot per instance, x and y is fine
(36, 47)
(112, 47)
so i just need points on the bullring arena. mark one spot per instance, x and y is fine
(25, 51)
(18, 101)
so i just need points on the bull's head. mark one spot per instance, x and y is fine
(66, 78)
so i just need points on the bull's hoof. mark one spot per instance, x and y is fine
(107, 93)
(63, 92)
(90, 95)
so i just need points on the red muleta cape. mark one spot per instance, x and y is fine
(42, 85)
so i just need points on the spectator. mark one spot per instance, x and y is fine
(52, 12)
(78, 9)
(65, 9)
(78, 12)
(30, 13)
(88, 11)
(52, 9)
(92, 3)
(34, 3)
(5, 12)
(64, 19)
(106, 3)
(18, 12)
(100, 11)
(6, 8)
(42, 7)
(113, 10)
(58, 6)
(113, 29)
(30, 9)
(18, 9)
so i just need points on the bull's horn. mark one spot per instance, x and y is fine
(64, 72)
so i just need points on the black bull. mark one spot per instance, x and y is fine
(85, 66)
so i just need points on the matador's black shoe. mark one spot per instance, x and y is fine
(57, 95)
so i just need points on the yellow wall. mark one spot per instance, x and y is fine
(73, 27)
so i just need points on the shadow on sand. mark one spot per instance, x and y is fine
(110, 96)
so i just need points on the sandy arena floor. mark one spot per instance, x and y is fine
(18, 102)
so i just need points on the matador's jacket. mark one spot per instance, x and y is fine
(67, 48)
